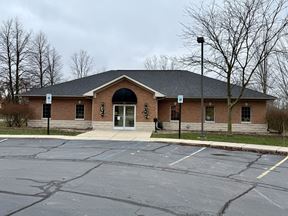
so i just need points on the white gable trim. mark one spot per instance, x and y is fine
(157, 94)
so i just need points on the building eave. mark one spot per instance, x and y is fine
(58, 96)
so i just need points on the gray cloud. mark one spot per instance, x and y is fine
(118, 34)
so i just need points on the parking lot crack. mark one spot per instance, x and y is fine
(25, 207)
(32, 180)
(222, 211)
(247, 166)
(19, 194)
(162, 168)
(82, 175)
(131, 202)
(163, 146)
(50, 188)
(136, 212)
(49, 149)
(87, 158)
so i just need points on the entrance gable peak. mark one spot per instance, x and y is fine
(91, 92)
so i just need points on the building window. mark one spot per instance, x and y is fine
(174, 113)
(46, 111)
(79, 111)
(209, 113)
(246, 114)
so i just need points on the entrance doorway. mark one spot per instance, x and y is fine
(124, 117)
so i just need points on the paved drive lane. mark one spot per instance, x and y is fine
(62, 177)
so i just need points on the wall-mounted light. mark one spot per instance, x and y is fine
(79, 102)
(246, 104)
(102, 109)
(146, 111)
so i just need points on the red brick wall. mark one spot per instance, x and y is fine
(64, 108)
(61, 109)
(191, 110)
(143, 96)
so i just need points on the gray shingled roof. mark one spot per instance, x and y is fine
(168, 82)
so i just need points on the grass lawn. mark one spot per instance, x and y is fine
(34, 131)
(252, 139)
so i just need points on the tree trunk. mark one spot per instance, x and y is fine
(11, 88)
(17, 75)
(229, 105)
(229, 117)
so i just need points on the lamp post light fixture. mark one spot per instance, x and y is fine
(201, 40)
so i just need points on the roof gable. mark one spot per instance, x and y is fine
(91, 92)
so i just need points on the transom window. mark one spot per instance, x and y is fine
(246, 114)
(174, 113)
(124, 96)
(46, 113)
(209, 113)
(79, 111)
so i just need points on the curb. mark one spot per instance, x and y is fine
(263, 149)
(35, 137)
(69, 138)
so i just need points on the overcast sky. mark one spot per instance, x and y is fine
(119, 34)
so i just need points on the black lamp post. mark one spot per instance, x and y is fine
(201, 40)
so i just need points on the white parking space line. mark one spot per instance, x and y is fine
(194, 153)
(272, 168)
(3, 140)
(268, 199)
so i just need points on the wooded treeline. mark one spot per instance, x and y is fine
(27, 60)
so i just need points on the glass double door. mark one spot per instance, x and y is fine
(124, 116)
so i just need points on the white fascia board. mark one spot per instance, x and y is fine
(157, 94)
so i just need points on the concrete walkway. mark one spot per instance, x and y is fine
(125, 135)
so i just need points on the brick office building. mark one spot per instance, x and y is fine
(131, 99)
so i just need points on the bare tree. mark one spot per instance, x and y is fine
(82, 64)
(161, 62)
(6, 58)
(21, 50)
(38, 61)
(263, 79)
(281, 65)
(14, 52)
(231, 32)
(54, 66)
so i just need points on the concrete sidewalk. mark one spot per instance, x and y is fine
(143, 137)
(125, 135)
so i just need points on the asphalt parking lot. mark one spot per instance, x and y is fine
(44, 177)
